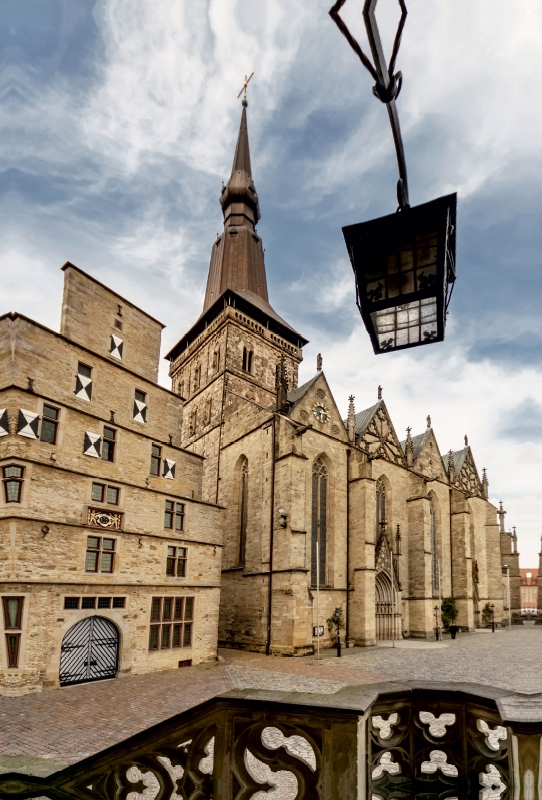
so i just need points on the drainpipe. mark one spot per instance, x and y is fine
(451, 551)
(271, 542)
(347, 632)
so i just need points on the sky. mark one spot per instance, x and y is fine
(118, 124)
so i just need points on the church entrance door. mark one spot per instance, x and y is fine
(384, 608)
(89, 652)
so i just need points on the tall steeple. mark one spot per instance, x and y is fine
(237, 260)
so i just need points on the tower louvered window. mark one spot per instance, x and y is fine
(319, 523)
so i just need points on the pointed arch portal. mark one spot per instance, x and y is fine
(89, 651)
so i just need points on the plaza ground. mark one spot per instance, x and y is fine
(41, 733)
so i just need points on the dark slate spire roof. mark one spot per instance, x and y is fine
(297, 394)
(418, 443)
(364, 417)
(459, 459)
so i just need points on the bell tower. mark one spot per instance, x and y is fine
(239, 339)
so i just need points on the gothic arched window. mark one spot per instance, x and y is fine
(319, 522)
(243, 512)
(381, 520)
(434, 549)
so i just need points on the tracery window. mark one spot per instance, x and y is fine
(243, 512)
(381, 520)
(434, 549)
(247, 360)
(319, 523)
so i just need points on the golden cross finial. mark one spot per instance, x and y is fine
(244, 90)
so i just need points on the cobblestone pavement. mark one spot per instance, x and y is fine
(42, 732)
(506, 659)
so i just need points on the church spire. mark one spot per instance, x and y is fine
(239, 199)
(237, 260)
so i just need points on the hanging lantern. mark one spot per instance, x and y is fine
(404, 265)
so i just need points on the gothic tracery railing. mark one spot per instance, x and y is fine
(405, 742)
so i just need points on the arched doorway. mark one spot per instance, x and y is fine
(384, 606)
(89, 652)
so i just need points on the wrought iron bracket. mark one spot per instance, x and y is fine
(388, 83)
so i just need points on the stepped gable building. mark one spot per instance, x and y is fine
(109, 555)
(321, 512)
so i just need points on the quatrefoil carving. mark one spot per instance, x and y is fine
(492, 735)
(437, 725)
(384, 726)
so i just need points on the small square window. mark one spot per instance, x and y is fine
(88, 602)
(113, 495)
(71, 602)
(119, 602)
(98, 492)
(118, 324)
(140, 396)
(104, 602)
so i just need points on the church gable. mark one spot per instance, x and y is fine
(466, 477)
(313, 404)
(375, 434)
(427, 457)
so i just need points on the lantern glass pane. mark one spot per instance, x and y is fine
(406, 324)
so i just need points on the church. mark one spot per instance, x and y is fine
(322, 513)
(142, 527)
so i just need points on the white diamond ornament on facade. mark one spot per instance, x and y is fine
(28, 424)
(140, 411)
(4, 427)
(116, 347)
(83, 387)
(92, 445)
(169, 468)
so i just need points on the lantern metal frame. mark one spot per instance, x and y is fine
(401, 260)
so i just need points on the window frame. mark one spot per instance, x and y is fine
(170, 626)
(104, 497)
(176, 512)
(100, 550)
(156, 458)
(13, 632)
(47, 420)
(13, 479)
(176, 560)
(109, 444)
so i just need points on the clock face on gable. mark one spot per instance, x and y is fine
(321, 413)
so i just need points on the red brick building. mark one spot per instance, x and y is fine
(528, 581)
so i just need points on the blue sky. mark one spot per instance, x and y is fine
(118, 124)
